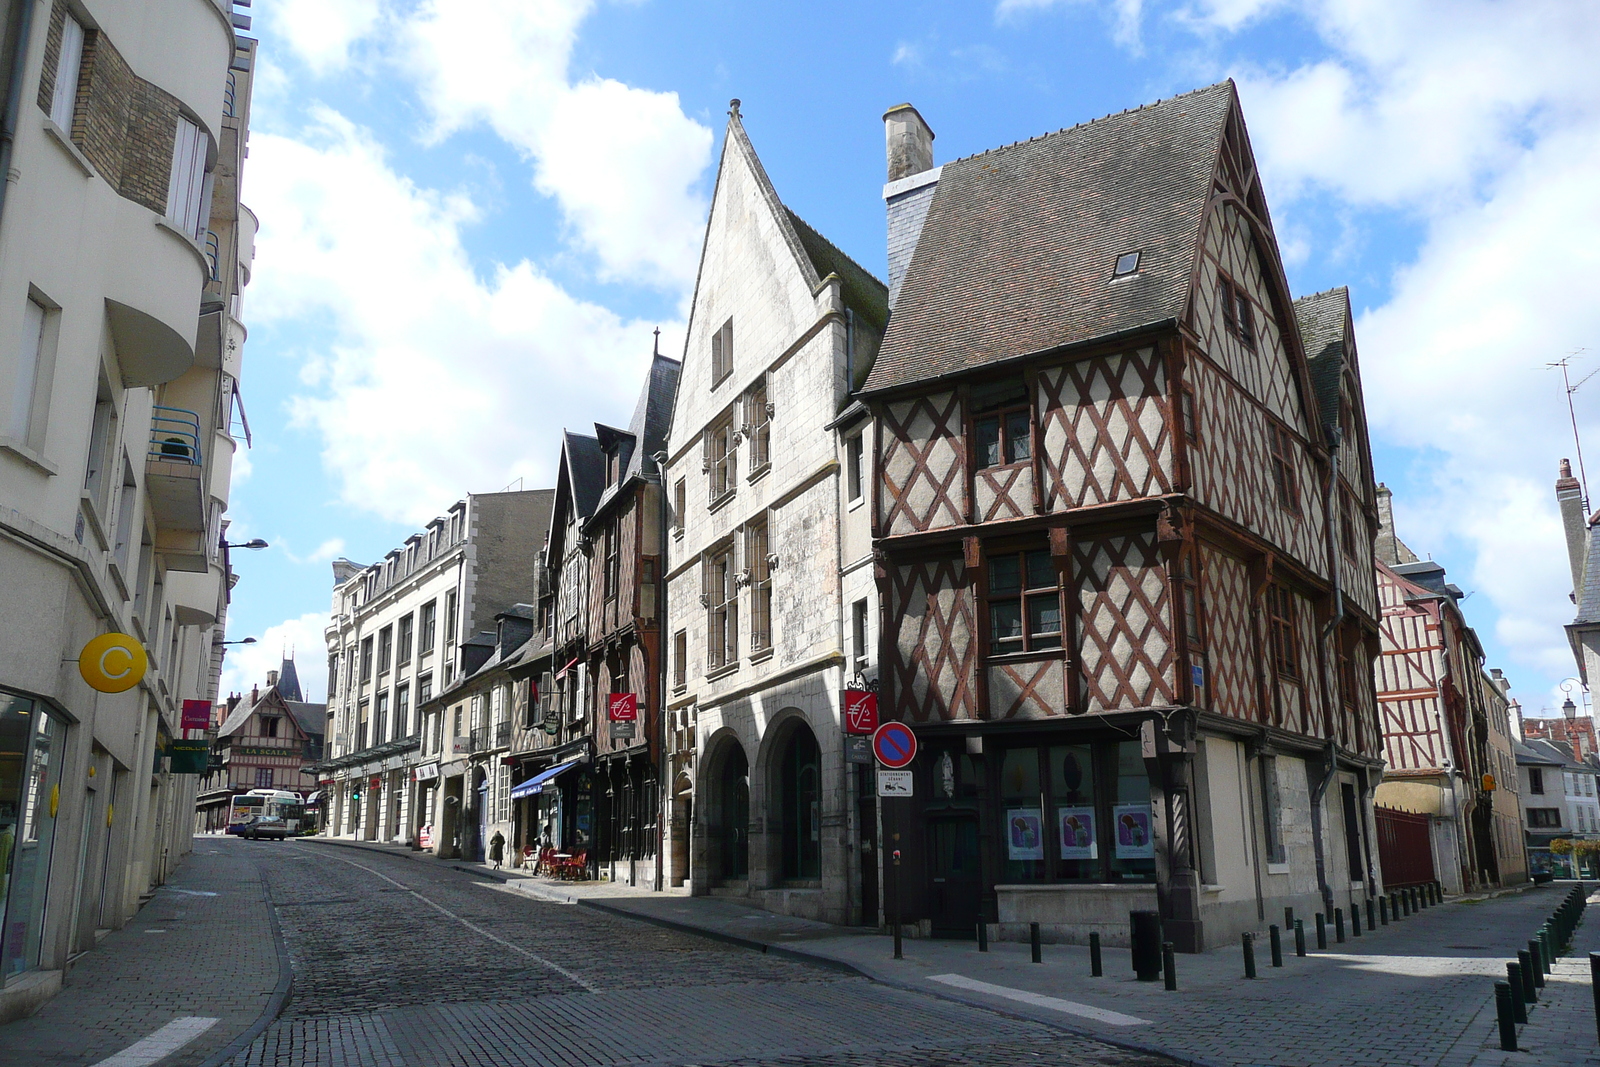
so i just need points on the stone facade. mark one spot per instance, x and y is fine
(761, 569)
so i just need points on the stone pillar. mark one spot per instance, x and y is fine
(1168, 756)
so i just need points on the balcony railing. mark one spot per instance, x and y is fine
(502, 734)
(480, 738)
(213, 254)
(174, 435)
(229, 98)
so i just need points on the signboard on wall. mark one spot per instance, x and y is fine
(860, 711)
(894, 783)
(196, 714)
(622, 707)
(189, 757)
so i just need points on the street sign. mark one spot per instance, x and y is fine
(188, 757)
(894, 783)
(858, 749)
(860, 711)
(622, 731)
(894, 744)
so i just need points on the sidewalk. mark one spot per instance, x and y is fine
(1419, 991)
(192, 975)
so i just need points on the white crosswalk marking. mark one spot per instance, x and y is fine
(160, 1044)
(1038, 1000)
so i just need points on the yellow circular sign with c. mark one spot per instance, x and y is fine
(112, 663)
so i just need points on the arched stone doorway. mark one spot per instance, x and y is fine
(798, 791)
(682, 819)
(728, 816)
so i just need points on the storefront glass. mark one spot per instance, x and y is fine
(1076, 820)
(1021, 801)
(1134, 856)
(30, 790)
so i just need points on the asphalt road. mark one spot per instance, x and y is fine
(398, 962)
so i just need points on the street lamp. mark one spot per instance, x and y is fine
(242, 641)
(254, 545)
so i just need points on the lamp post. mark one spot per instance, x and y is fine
(241, 641)
(254, 545)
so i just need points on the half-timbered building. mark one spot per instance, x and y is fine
(1448, 744)
(1123, 520)
(769, 591)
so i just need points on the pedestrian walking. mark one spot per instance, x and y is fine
(497, 848)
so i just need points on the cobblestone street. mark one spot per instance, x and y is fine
(400, 962)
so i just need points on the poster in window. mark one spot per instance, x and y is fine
(1024, 834)
(1133, 831)
(1077, 833)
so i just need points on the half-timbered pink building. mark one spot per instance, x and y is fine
(1124, 516)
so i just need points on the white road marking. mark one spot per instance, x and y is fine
(474, 927)
(160, 1044)
(1038, 1000)
(190, 892)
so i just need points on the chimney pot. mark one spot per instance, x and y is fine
(908, 142)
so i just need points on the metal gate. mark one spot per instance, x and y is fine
(1405, 848)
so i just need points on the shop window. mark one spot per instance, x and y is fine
(1024, 602)
(1075, 818)
(1133, 856)
(1022, 804)
(1001, 424)
(30, 771)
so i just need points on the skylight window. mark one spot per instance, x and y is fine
(1127, 263)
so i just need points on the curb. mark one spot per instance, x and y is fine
(280, 993)
(799, 955)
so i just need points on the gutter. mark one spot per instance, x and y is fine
(8, 124)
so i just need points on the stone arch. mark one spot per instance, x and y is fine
(725, 809)
(791, 778)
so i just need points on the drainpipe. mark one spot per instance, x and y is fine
(663, 767)
(1321, 790)
(23, 32)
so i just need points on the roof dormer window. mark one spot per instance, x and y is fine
(1127, 263)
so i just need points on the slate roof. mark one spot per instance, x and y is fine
(1322, 318)
(1016, 255)
(1589, 598)
(587, 466)
(1527, 753)
(312, 718)
(289, 681)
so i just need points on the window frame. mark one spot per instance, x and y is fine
(758, 426)
(722, 353)
(722, 460)
(1006, 439)
(428, 618)
(188, 181)
(722, 606)
(680, 660)
(1285, 473)
(404, 632)
(855, 477)
(64, 90)
(1283, 632)
(680, 504)
(758, 550)
(1024, 596)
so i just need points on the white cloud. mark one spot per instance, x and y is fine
(247, 665)
(432, 381)
(624, 164)
(322, 32)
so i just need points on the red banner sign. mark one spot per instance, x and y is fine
(860, 711)
(196, 714)
(623, 707)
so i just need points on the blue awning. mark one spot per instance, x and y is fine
(537, 783)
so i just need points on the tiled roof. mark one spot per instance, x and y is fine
(1589, 597)
(1322, 318)
(1017, 252)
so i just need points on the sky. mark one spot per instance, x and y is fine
(473, 216)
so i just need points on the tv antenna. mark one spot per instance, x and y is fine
(1566, 380)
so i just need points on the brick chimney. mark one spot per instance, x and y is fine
(255, 695)
(1569, 497)
(912, 180)
(272, 679)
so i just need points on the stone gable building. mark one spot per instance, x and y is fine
(768, 569)
(1124, 517)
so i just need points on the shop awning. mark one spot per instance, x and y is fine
(537, 783)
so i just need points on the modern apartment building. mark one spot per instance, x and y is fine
(124, 250)
(396, 638)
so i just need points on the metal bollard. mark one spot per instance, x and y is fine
(1526, 962)
(1507, 1016)
(1033, 940)
(1383, 910)
(1095, 970)
(1288, 918)
(1519, 1006)
(1400, 905)
(983, 936)
(1594, 986)
(1277, 946)
(1249, 942)
(1355, 920)
(1299, 937)
(1338, 925)
(1322, 933)
(1169, 967)
(1538, 964)
(1372, 914)
(1547, 940)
